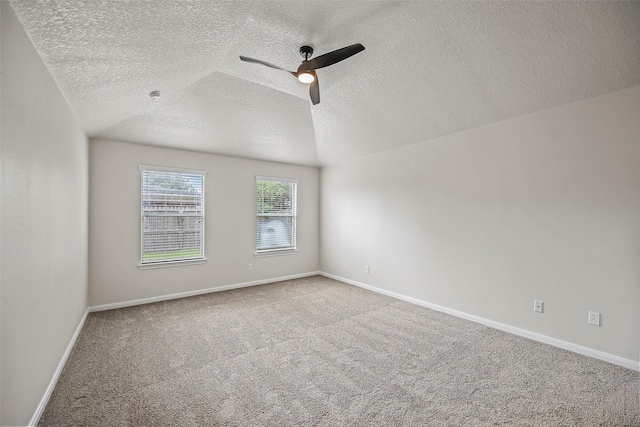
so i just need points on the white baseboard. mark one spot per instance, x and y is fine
(197, 292)
(54, 380)
(585, 351)
(52, 384)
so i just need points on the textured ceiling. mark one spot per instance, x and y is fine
(429, 69)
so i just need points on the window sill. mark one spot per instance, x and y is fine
(276, 253)
(171, 264)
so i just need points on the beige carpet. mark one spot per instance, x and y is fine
(315, 351)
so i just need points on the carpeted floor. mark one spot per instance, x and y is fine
(314, 351)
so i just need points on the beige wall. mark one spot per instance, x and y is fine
(43, 226)
(230, 207)
(544, 206)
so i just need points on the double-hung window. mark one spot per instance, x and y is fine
(172, 216)
(276, 215)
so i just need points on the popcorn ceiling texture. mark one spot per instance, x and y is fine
(429, 69)
(230, 114)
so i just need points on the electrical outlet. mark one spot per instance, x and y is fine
(250, 267)
(538, 306)
(367, 269)
(594, 318)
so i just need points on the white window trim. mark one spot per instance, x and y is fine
(275, 252)
(286, 251)
(164, 264)
(176, 263)
(168, 169)
(275, 178)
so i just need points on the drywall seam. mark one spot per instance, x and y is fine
(123, 304)
(56, 375)
(585, 351)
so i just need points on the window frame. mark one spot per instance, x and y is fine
(294, 217)
(176, 261)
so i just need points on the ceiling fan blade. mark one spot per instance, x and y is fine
(333, 57)
(266, 64)
(314, 91)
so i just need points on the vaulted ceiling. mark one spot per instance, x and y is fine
(429, 69)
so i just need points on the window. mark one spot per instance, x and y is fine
(172, 216)
(276, 222)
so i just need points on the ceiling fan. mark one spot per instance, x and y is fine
(306, 72)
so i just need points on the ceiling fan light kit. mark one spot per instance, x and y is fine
(306, 76)
(306, 72)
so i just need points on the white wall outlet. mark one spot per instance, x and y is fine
(594, 318)
(538, 306)
(250, 267)
(367, 269)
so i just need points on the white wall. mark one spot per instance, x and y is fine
(230, 206)
(544, 206)
(44, 227)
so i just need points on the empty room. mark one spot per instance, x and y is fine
(320, 213)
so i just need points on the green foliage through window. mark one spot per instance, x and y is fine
(274, 196)
(171, 181)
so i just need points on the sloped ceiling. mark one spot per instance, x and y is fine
(429, 69)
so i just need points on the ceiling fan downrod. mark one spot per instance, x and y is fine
(306, 52)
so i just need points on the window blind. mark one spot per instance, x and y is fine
(276, 214)
(172, 215)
